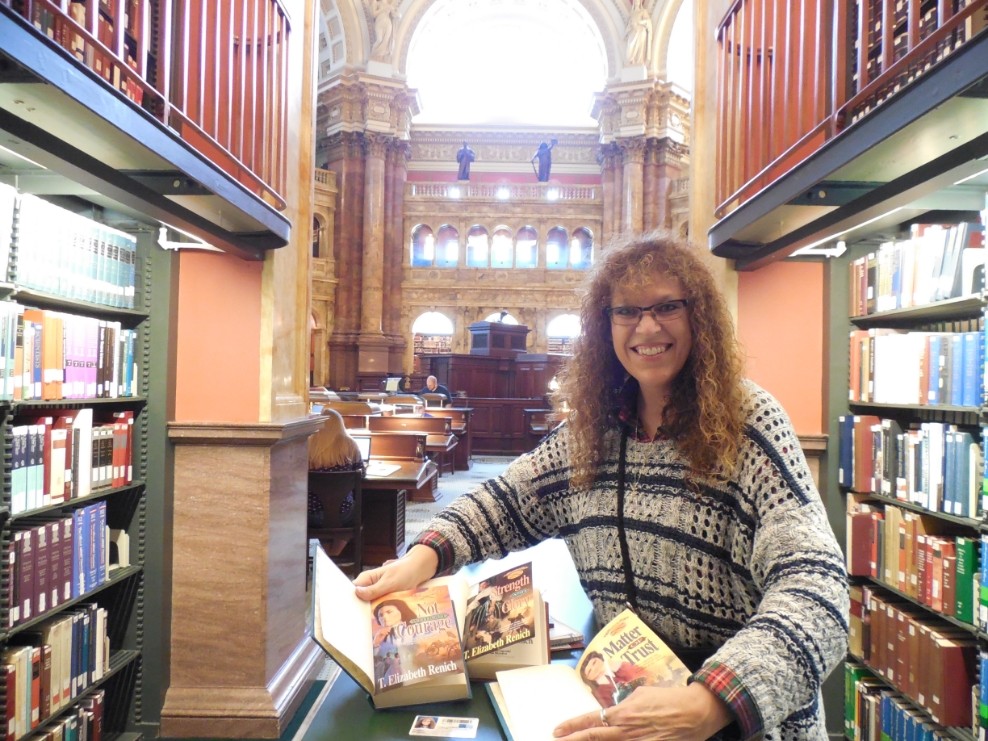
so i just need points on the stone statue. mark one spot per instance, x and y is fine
(639, 35)
(464, 157)
(385, 13)
(544, 157)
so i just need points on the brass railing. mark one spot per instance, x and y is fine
(791, 76)
(215, 71)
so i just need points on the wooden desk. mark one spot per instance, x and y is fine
(346, 712)
(384, 508)
(439, 442)
(460, 424)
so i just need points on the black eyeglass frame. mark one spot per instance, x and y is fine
(680, 305)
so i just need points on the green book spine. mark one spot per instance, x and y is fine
(967, 569)
(852, 675)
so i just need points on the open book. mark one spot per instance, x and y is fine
(506, 625)
(403, 648)
(623, 655)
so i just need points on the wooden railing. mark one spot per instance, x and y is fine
(213, 70)
(791, 76)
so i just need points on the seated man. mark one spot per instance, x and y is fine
(432, 386)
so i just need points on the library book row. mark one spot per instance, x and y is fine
(68, 455)
(55, 559)
(50, 355)
(65, 455)
(930, 17)
(919, 558)
(891, 366)
(52, 250)
(931, 664)
(934, 466)
(43, 671)
(95, 50)
(935, 262)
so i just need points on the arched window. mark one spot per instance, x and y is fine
(423, 246)
(432, 333)
(478, 247)
(561, 331)
(581, 249)
(448, 247)
(530, 63)
(316, 234)
(501, 316)
(526, 248)
(556, 248)
(502, 248)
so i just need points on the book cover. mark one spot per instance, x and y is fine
(500, 612)
(506, 624)
(403, 649)
(623, 655)
(415, 637)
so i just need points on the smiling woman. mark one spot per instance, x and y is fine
(517, 62)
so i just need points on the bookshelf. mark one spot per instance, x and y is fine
(74, 517)
(899, 147)
(910, 464)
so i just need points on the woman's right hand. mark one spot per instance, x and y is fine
(407, 572)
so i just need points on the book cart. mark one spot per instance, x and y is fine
(911, 451)
(73, 426)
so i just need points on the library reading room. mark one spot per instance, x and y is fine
(363, 379)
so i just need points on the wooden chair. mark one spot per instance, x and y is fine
(335, 516)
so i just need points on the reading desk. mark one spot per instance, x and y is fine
(346, 713)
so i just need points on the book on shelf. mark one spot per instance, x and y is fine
(402, 649)
(506, 624)
(623, 655)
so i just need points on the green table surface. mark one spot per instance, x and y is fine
(346, 711)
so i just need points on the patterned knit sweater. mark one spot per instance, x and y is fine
(748, 571)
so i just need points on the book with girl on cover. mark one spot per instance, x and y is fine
(625, 654)
(402, 649)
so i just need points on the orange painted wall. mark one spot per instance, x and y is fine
(218, 338)
(781, 326)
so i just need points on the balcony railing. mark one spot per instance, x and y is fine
(215, 71)
(792, 76)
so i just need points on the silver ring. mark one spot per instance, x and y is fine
(603, 716)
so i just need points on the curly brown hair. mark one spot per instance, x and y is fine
(705, 415)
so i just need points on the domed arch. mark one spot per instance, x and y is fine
(345, 30)
(665, 24)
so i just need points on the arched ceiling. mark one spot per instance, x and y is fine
(345, 30)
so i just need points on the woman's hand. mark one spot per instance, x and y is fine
(691, 713)
(407, 572)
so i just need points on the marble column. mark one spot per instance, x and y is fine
(373, 352)
(394, 255)
(655, 206)
(241, 657)
(633, 151)
(617, 178)
(347, 160)
(605, 158)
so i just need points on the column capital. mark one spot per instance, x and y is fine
(633, 150)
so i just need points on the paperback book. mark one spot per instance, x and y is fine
(506, 624)
(402, 649)
(624, 655)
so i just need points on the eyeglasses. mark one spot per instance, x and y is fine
(663, 311)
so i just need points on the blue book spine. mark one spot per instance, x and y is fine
(971, 392)
(956, 369)
(79, 554)
(100, 541)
